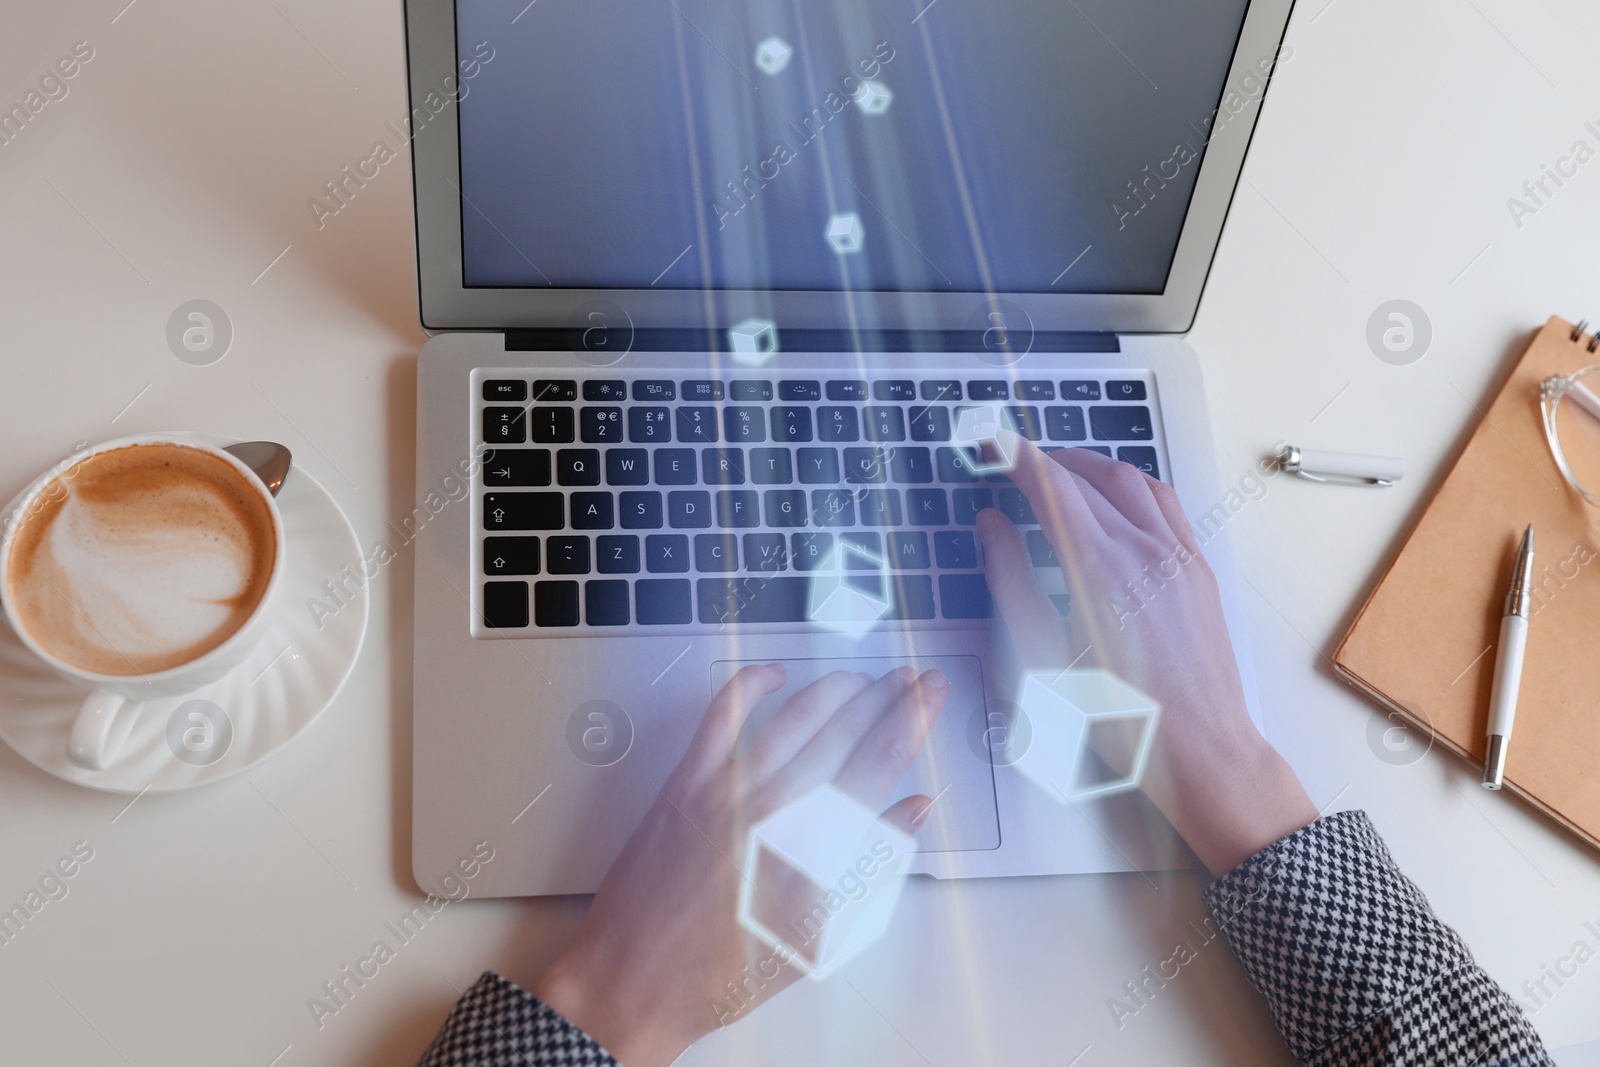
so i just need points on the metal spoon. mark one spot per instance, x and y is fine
(268, 459)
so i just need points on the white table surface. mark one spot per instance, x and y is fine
(179, 166)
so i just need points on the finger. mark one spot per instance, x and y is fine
(1035, 625)
(819, 761)
(1061, 498)
(801, 716)
(894, 741)
(1177, 521)
(1123, 484)
(908, 815)
(714, 741)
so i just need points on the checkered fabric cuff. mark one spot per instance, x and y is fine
(1354, 965)
(498, 1024)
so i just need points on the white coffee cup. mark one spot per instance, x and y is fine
(108, 714)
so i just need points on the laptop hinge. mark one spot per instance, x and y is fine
(577, 339)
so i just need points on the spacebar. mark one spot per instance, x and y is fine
(753, 599)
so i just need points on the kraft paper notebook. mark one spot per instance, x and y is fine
(1423, 645)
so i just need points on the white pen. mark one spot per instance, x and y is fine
(1508, 663)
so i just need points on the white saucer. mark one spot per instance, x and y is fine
(270, 698)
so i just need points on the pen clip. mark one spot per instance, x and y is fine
(1339, 479)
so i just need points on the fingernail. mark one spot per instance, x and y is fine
(935, 680)
(921, 816)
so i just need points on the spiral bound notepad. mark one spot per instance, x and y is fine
(1423, 644)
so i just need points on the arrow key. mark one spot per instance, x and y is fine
(516, 466)
(510, 555)
(1125, 422)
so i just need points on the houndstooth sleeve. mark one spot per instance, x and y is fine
(499, 1024)
(1353, 963)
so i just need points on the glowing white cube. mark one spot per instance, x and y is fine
(1068, 709)
(773, 54)
(753, 341)
(979, 426)
(873, 97)
(845, 233)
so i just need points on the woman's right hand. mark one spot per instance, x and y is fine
(1145, 607)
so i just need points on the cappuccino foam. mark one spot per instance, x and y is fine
(141, 559)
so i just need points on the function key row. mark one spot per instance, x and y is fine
(660, 390)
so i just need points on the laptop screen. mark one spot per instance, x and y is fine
(1011, 146)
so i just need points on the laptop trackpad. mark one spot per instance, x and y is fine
(957, 772)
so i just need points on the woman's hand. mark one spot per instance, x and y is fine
(1145, 607)
(661, 959)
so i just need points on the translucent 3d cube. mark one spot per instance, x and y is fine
(753, 341)
(1091, 733)
(845, 233)
(822, 879)
(773, 54)
(839, 604)
(980, 426)
(873, 97)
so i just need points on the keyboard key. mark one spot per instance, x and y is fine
(786, 507)
(1036, 390)
(697, 424)
(833, 507)
(865, 466)
(838, 424)
(627, 466)
(842, 390)
(880, 507)
(811, 550)
(666, 554)
(750, 389)
(675, 466)
(1078, 390)
(910, 597)
(1125, 391)
(752, 600)
(663, 601)
(555, 603)
(600, 425)
(1062, 602)
(697, 389)
(555, 391)
(641, 511)
(894, 390)
(738, 509)
(524, 511)
(592, 511)
(911, 465)
(504, 390)
(601, 389)
(617, 554)
(649, 425)
(552, 426)
(1025, 419)
(861, 551)
(765, 553)
(791, 424)
(510, 555)
(744, 423)
(654, 390)
(993, 389)
(505, 426)
(1141, 456)
(1015, 506)
(969, 502)
(566, 555)
(909, 551)
(965, 596)
(605, 603)
(1064, 424)
(930, 424)
(886, 423)
(818, 466)
(769, 466)
(516, 466)
(1040, 550)
(722, 466)
(689, 509)
(927, 507)
(946, 389)
(955, 464)
(505, 605)
(799, 390)
(1121, 424)
(1106, 452)
(578, 466)
(716, 552)
(955, 550)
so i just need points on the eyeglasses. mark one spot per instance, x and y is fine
(1571, 407)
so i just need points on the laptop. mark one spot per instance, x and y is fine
(712, 289)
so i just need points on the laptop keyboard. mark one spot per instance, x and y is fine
(689, 504)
